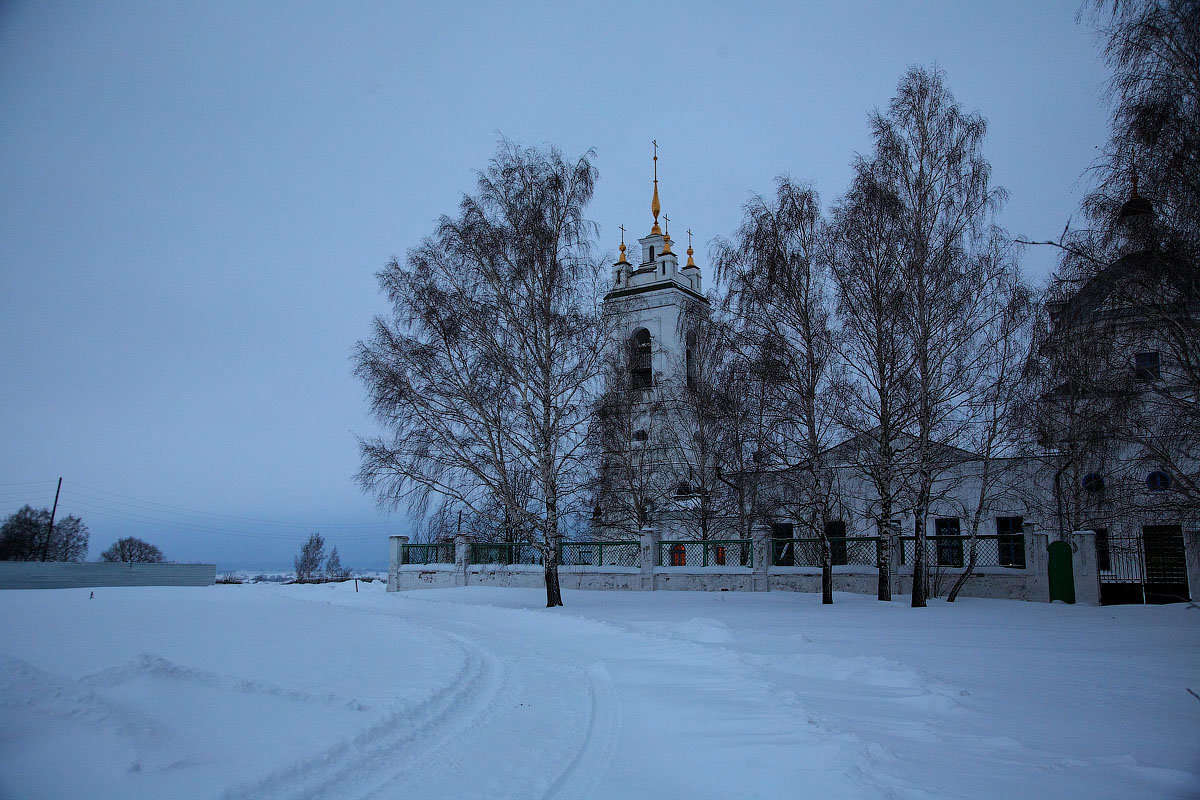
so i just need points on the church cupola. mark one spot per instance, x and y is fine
(690, 271)
(1135, 220)
(656, 267)
(622, 267)
(654, 244)
(668, 262)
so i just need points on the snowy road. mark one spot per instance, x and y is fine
(316, 691)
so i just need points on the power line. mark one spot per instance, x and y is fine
(101, 509)
(101, 494)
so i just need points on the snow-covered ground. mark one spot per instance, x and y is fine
(317, 691)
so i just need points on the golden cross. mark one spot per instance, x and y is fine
(622, 227)
(689, 238)
(655, 143)
(667, 220)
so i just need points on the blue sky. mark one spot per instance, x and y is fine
(194, 199)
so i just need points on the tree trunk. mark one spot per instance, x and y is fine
(553, 590)
(918, 580)
(962, 579)
(885, 564)
(826, 571)
(972, 541)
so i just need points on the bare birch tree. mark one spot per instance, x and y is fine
(928, 156)
(753, 390)
(778, 282)
(484, 374)
(866, 245)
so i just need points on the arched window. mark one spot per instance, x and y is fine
(640, 353)
(641, 436)
(1158, 481)
(651, 254)
(719, 555)
(678, 555)
(1093, 482)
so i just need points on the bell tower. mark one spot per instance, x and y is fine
(647, 304)
(654, 294)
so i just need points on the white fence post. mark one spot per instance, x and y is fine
(1037, 564)
(1086, 568)
(396, 545)
(649, 555)
(761, 544)
(462, 546)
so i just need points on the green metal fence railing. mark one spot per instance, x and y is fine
(954, 551)
(504, 553)
(436, 553)
(710, 553)
(866, 551)
(599, 554)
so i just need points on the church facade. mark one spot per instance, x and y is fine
(1090, 519)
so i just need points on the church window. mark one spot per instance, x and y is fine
(1158, 481)
(1010, 541)
(651, 254)
(949, 542)
(678, 555)
(640, 353)
(1146, 366)
(719, 555)
(1093, 482)
(641, 436)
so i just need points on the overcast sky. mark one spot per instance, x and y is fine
(194, 199)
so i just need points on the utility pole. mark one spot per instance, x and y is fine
(53, 511)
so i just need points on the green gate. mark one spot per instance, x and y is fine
(1062, 577)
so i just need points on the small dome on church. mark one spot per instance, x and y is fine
(1135, 207)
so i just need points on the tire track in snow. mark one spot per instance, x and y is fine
(384, 752)
(585, 772)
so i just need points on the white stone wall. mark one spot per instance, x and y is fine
(1030, 583)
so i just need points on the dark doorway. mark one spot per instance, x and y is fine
(1166, 564)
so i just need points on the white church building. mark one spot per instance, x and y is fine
(1021, 551)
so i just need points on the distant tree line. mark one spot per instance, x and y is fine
(29, 535)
